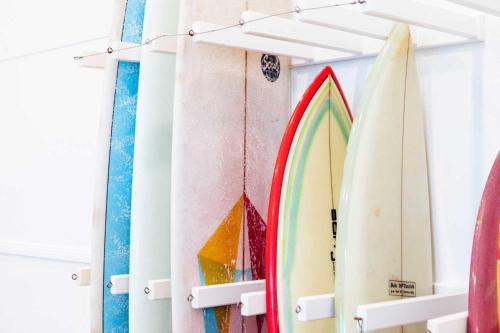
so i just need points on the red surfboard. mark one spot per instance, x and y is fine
(325, 75)
(484, 280)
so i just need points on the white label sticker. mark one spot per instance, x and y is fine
(402, 288)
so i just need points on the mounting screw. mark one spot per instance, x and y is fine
(109, 285)
(109, 50)
(74, 277)
(147, 290)
(298, 309)
(190, 298)
(191, 32)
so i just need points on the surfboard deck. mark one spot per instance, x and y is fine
(303, 204)
(111, 220)
(150, 210)
(227, 122)
(484, 284)
(384, 233)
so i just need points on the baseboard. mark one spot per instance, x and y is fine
(43, 251)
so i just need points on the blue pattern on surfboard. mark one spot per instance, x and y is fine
(121, 157)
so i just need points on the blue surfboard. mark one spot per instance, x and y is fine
(119, 187)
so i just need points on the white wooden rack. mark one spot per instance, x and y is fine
(159, 289)
(250, 296)
(129, 52)
(349, 31)
(486, 6)
(330, 34)
(455, 323)
(445, 312)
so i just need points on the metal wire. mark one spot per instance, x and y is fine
(192, 33)
(51, 49)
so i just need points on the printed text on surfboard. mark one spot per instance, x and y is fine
(402, 288)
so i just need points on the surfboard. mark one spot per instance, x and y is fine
(484, 285)
(302, 222)
(227, 117)
(384, 247)
(150, 210)
(112, 198)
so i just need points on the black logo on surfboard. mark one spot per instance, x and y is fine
(270, 66)
(334, 234)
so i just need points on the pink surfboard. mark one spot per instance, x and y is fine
(484, 282)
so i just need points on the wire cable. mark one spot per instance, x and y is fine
(54, 48)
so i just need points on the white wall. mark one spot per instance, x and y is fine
(49, 113)
(461, 89)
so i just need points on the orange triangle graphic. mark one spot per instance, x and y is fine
(217, 258)
(222, 247)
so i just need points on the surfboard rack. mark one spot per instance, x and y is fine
(486, 6)
(409, 311)
(129, 52)
(119, 284)
(378, 315)
(95, 61)
(455, 323)
(223, 294)
(159, 44)
(253, 304)
(346, 32)
(159, 289)
(235, 38)
(308, 308)
(82, 277)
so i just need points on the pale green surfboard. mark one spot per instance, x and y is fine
(150, 211)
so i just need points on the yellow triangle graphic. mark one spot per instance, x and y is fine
(218, 257)
(221, 250)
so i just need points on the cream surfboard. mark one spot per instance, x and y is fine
(112, 197)
(384, 235)
(302, 222)
(150, 210)
(221, 179)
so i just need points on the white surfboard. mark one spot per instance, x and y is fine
(99, 199)
(384, 231)
(150, 213)
(228, 123)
